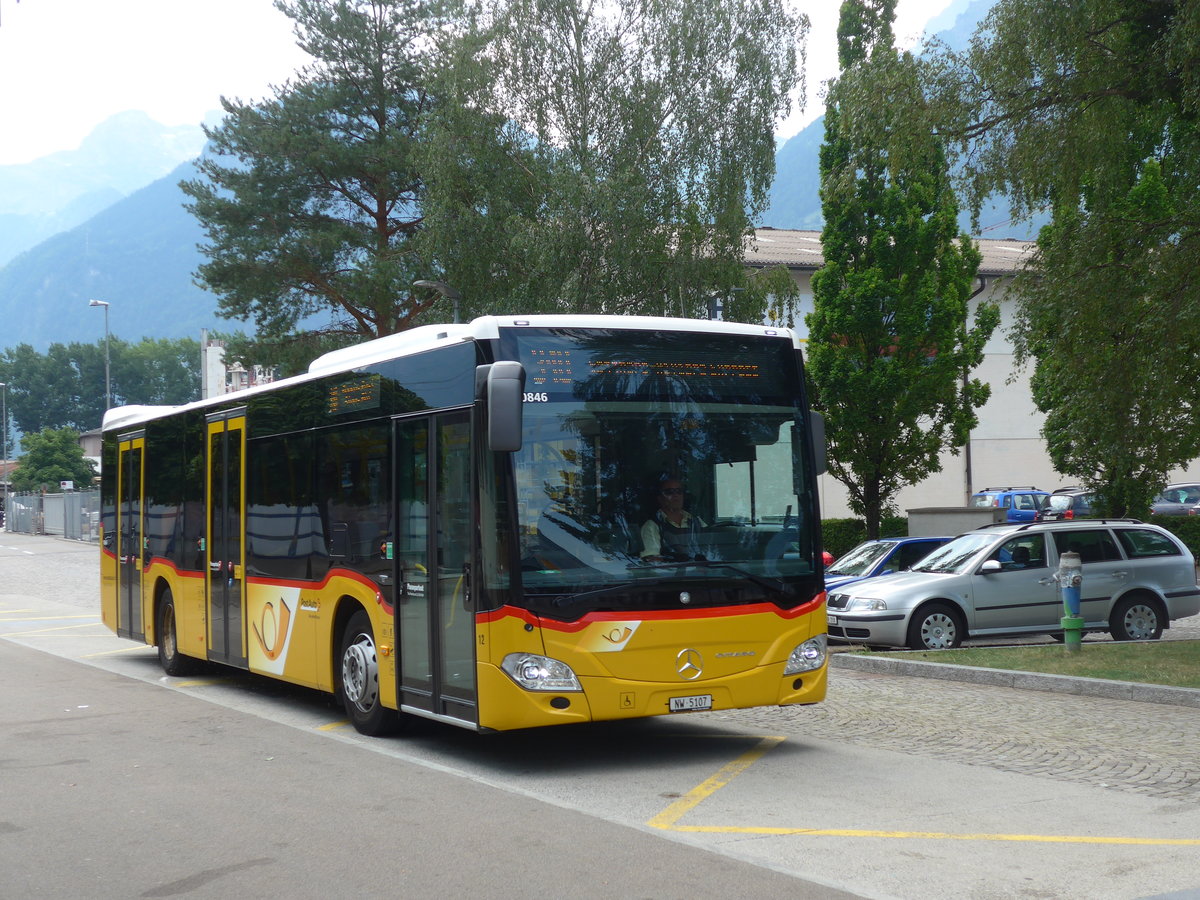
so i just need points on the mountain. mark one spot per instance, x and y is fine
(794, 200)
(57, 192)
(107, 222)
(138, 255)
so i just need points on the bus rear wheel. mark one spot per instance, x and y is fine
(172, 661)
(358, 681)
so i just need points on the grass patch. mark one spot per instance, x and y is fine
(1174, 663)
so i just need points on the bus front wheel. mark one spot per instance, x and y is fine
(358, 681)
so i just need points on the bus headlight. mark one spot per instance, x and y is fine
(540, 673)
(808, 656)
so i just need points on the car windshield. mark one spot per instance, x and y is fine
(954, 557)
(1056, 502)
(983, 501)
(1190, 495)
(861, 560)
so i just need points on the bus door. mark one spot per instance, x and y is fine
(130, 547)
(435, 616)
(225, 540)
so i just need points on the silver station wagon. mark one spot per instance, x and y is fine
(999, 580)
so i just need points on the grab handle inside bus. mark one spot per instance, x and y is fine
(505, 393)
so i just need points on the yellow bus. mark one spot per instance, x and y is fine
(509, 523)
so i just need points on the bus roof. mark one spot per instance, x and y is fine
(488, 328)
(427, 337)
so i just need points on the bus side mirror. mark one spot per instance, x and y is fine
(505, 390)
(816, 428)
(816, 434)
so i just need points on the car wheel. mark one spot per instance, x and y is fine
(937, 626)
(1135, 619)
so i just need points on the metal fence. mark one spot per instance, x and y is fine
(74, 515)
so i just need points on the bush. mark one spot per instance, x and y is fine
(839, 536)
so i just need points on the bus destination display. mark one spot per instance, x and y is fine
(556, 369)
(361, 393)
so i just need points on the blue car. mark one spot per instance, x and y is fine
(1021, 504)
(881, 557)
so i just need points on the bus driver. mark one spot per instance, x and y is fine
(672, 533)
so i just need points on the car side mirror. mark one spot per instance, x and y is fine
(989, 566)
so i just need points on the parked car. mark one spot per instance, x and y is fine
(1021, 502)
(1177, 500)
(884, 556)
(1137, 579)
(1067, 503)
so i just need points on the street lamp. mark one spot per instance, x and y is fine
(445, 290)
(107, 383)
(4, 441)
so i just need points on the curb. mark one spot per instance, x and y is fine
(1028, 681)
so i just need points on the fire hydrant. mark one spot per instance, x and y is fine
(1070, 581)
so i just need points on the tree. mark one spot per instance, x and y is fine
(317, 227)
(653, 122)
(1088, 109)
(889, 348)
(64, 387)
(1109, 368)
(52, 456)
(541, 155)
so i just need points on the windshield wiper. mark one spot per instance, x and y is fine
(771, 584)
(562, 600)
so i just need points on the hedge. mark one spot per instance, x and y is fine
(842, 535)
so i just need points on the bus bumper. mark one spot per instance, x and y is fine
(505, 705)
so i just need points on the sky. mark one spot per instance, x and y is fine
(67, 65)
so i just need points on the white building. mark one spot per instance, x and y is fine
(1006, 448)
(216, 378)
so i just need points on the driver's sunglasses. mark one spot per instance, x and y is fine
(671, 492)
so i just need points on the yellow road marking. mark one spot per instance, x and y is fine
(668, 819)
(48, 630)
(332, 725)
(943, 835)
(94, 618)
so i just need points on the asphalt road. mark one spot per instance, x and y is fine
(117, 781)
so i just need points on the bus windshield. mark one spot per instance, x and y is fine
(659, 462)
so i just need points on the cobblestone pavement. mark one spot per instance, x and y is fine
(1144, 748)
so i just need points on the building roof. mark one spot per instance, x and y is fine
(802, 250)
